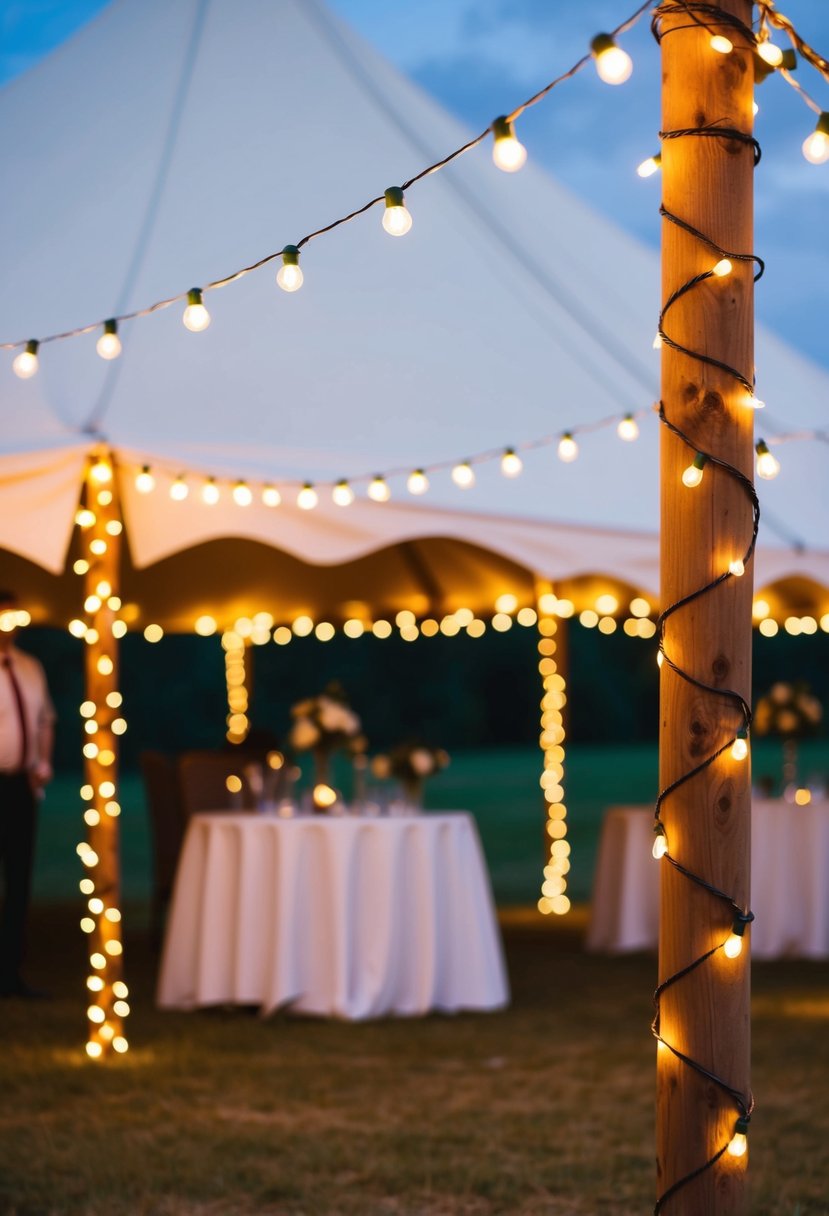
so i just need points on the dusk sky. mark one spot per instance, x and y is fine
(480, 58)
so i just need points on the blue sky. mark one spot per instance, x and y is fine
(480, 57)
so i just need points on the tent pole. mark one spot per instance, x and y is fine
(707, 184)
(551, 740)
(101, 532)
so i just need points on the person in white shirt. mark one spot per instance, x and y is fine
(26, 735)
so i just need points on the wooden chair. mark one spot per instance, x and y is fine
(167, 825)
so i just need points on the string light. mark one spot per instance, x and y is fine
(553, 898)
(195, 317)
(815, 146)
(417, 482)
(396, 218)
(612, 63)
(739, 748)
(378, 489)
(722, 268)
(144, 481)
(650, 166)
(770, 53)
(210, 492)
(511, 463)
(692, 476)
(25, 364)
(721, 44)
(242, 494)
(738, 1144)
(508, 153)
(179, 489)
(660, 841)
(271, 496)
(737, 567)
(628, 428)
(342, 494)
(568, 449)
(307, 498)
(753, 402)
(463, 475)
(290, 276)
(108, 345)
(768, 466)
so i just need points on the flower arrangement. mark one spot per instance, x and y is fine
(410, 764)
(789, 710)
(325, 723)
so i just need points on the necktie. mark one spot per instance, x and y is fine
(21, 712)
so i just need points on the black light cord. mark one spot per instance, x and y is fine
(705, 15)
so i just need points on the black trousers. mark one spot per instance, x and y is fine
(18, 822)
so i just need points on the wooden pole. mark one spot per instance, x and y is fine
(707, 182)
(101, 526)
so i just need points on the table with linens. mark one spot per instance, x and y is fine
(334, 915)
(789, 881)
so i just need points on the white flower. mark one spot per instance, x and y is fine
(422, 762)
(304, 734)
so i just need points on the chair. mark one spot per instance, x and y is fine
(167, 824)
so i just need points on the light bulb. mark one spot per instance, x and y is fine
(660, 842)
(342, 494)
(378, 489)
(289, 276)
(657, 342)
(101, 472)
(693, 474)
(772, 54)
(144, 481)
(25, 364)
(650, 166)
(210, 492)
(417, 482)
(815, 146)
(737, 567)
(196, 317)
(722, 268)
(271, 496)
(463, 475)
(754, 402)
(511, 463)
(612, 63)
(179, 489)
(755, 109)
(660, 658)
(108, 345)
(568, 449)
(768, 466)
(307, 498)
(628, 428)
(721, 44)
(739, 748)
(396, 219)
(508, 153)
(738, 1144)
(242, 495)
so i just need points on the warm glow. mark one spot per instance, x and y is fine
(815, 149)
(144, 481)
(508, 153)
(233, 784)
(737, 567)
(506, 603)
(378, 489)
(693, 474)
(302, 626)
(396, 219)
(354, 628)
(307, 498)
(25, 364)
(210, 492)
(289, 276)
(739, 748)
(628, 428)
(771, 53)
(205, 626)
(271, 496)
(463, 475)
(568, 449)
(660, 845)
(324, 796)
(733, 946)
(417, 482)
(342, 494)
(381, 629)
(648, 167)
(738, 1145)
(607, 604)
(722, 268)
(768, 466)
(108, 345)
(511, 463)
(242, 495)
(153, 633)
(196, 317)
(612, 63)
(721, 44)
(179, 490)
(802, 796)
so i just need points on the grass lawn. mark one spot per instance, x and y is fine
(545, 1108)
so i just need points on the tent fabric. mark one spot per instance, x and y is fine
(510, 311)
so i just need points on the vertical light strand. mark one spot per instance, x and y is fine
(101, 537)
(238, 722)
(554, 698)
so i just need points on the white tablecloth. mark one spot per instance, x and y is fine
(342, 916)
(789, 881)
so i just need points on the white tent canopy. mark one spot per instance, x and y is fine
(511, 311)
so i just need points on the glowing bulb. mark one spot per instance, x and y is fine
(737, 567)
(210, 492)
(660, 842)
(378, 489)
(650, 166)
(772, 54)
(271, 496)
(511, 463)
(108, 345)
(307, 498)
(342, 494)
(754, 402)
(25, 364)
(612, 63)
(568, 449)
(768, 466)
(144, 481)
(815, 149)
(508, 153)
(196, 317)
(396, 219)
(242, 495)
(755, 109)
(179, 490)
(722, 268)
(738, 1145)
(733, 948)
(463, 475)
(721, 44)
(417, 482)
(628, 428)
(324, 796)
(657, 341)
(739, 748)
(101, 471)
(693, 474)
(289, 276)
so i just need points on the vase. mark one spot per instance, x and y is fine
(789, 769)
